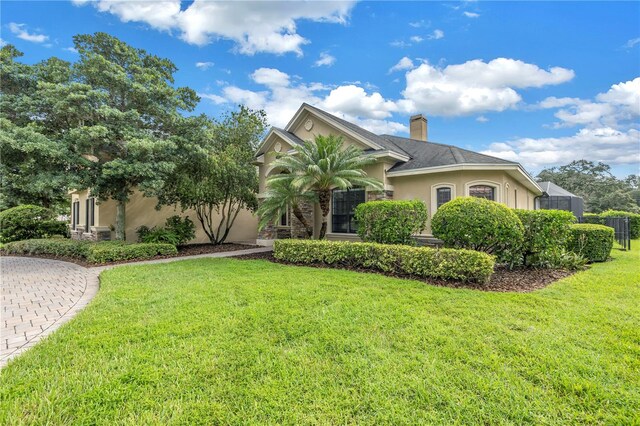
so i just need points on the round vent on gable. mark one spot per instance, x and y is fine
(277, 147)
(308, 125)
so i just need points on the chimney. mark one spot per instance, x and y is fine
(418, 127)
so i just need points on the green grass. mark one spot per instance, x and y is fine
(219, 341)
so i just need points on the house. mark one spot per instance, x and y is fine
(410, 168)
(95, 221)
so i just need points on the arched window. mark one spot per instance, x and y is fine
(441, 193)
(483, 191)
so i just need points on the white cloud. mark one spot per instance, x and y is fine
(619, 104)
(436, 35)
(602, 144)
(283, 97)
(216, 99)
(2, 43)
(608, 131)
(471, 14)
(416, 39)
(400, 43)
(254, 26)
(70, 49)
(631, 43)
(204, 65)
(403, 64)
(474, 86)
(482, 119)
(420, 24)
(325, 60)
(270, 77)
(20, 31)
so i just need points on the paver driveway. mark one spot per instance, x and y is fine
(38, 295)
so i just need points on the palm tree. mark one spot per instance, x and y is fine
(281, 195)
(323, 165)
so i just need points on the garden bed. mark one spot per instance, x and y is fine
(188, 250)
(520, 280)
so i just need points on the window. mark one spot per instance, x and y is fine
(482, 191)
(515, 198)
(343, 209)
(443, 195)
(89, 214)
(284, 219)
(75, 214)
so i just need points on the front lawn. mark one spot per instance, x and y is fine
(218, 341)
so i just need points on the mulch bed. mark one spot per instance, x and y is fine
(519, 280)
(189, 250)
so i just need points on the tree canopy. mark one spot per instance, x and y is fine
(595, 183)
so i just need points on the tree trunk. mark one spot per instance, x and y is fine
(324, 198)
(298, 214)
(121, 234)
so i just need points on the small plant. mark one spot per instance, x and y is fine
(182, 228)
(558, 258)
(391, 222)
(479, 224)
(593, 242)
(176, 231)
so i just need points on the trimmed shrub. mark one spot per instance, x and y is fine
(104, 253)
(464, 265)
(634, 220)
(545, 231)
(479, 224)
(101, 252)
(27, 222)
(391, 222)
(56, 247)
(593, 242)
(592, 218)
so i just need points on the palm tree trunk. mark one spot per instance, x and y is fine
(298, 214)
(324, 198)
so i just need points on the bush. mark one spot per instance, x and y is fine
(176, 231)
(391, 222)
(104, 253)
(100, 252)
(27, 221)
(559, 258)
(593, 242)
(464, 265)
(182, 228)
(634, 220)
(546, 233)
(479, 224)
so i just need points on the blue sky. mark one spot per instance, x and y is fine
(543, 83)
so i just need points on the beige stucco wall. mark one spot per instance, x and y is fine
(141, 210)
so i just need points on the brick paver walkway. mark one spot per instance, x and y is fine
(39, 295)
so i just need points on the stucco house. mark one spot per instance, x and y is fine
(410, 168)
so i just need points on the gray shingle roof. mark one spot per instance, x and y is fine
(430, 154)
(554, 190)
(290, 135)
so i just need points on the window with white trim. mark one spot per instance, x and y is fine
(483, 191)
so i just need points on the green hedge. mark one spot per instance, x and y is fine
(28, 221)
(544, 231)
(115, 252)
(479, 224)
(599, 218)
(593, 242)
(464, 265)
(92, 252)
(391, 222)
